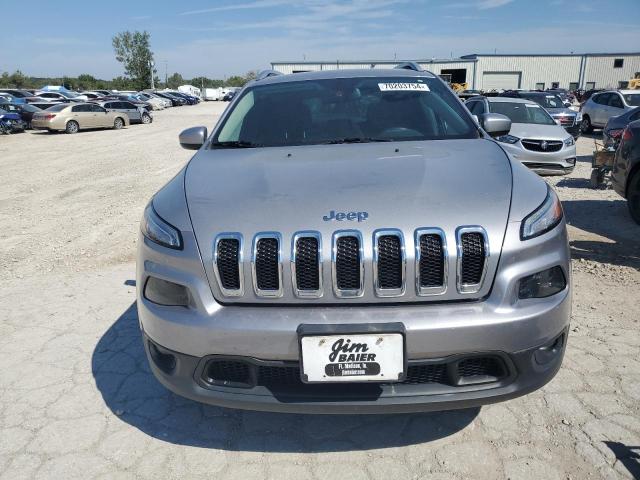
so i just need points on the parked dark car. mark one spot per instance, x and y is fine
(175, 101)
(10, 122)
(586, 95)
(188, 98)
(465, 94)
(625, 175)
(229, 96)
(555, 105)
(25, 110)
(612, 132)
(136, 113)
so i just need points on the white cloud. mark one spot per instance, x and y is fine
(480, 4)
(238, 6)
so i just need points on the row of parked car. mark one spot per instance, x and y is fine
(58, 109)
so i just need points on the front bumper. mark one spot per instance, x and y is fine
(500, 324)
(185, 375)
(561, 162)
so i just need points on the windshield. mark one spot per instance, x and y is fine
(29, 108)
(547, 101)
(522, 112)
(345, 110)
(632, 99)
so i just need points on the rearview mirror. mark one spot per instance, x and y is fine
(495, 124)
(193, 138)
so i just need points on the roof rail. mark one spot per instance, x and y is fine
(409, 66)
(266, 74)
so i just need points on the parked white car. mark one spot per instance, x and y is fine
(61, 95)
(155, 102)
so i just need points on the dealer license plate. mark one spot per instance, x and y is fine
(353, 358)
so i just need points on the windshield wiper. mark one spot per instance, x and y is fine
(356, 140)
(235, 144)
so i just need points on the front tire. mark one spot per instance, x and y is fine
(118, 123)
(633, 198)
(146, 119)
(585, 126)
(72, 127)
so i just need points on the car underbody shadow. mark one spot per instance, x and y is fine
(131, 392)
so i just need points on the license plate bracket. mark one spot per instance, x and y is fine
(373, 352)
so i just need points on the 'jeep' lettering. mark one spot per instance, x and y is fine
(342, 216)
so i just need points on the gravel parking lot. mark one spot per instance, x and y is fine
(77, 399)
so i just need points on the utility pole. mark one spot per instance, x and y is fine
(166, 77)
(151, 64)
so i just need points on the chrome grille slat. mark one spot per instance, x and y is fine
(228, 263)
(266, 264)
(389, 263)
(431, 262)
(473, 255)
(306, 264)
(347, 264)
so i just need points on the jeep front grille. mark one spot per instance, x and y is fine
(386, 255)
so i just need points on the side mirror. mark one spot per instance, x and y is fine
(495, 124)
(567, 104)
(193, 138)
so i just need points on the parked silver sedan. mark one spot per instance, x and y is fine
(535, 138)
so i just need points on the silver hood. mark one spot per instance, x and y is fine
(404, 185)
(538, 132)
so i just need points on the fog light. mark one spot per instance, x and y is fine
(542, 284)
(571, 161)
(164, 361)
(166, 293)
(547, 353)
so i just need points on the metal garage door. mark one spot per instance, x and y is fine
(500, 80)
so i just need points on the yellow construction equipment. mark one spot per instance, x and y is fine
(634, 83)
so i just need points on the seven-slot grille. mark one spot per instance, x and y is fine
(542, 145)
(348, 263)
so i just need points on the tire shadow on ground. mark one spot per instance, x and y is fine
(130, 390)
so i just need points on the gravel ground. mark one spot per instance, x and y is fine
(77, 399)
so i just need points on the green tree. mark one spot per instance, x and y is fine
(4, 79)
(133, 50)
(175, 80)
(86, 82)
(18, 80)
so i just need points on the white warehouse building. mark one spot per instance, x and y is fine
(497, 71)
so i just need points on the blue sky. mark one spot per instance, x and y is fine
(227, 37)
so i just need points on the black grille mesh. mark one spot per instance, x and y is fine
(389, 262)
(473, 258)
(307, 263)
(267, 277)
(228, 266)
(229, 371)
(480, 367)
(431, 261)
(348, 263)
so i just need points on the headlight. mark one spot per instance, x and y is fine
(507, 139)
(543, 218)
(578, 117)
(157, 230)
(568, 142)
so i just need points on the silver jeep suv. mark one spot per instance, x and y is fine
(353, 242)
